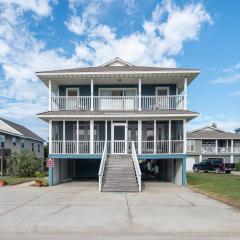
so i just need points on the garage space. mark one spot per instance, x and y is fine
(74, 169)
(163, 170)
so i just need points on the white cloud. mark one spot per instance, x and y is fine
(160, 41)
(76, 25)
(130, 6)
(224, 122)
(227, 79)
(236, 93)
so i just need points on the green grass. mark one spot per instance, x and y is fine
(224, 187)
(16, 180)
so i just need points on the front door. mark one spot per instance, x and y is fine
(72, 101)
(119, 144)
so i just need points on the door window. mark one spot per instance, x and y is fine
(72, 92)
(162, 91)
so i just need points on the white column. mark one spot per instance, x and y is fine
(49, 95)
(77, 137)
(64, 138)
(50, 136)
(216, 146)
(105, 130)
(184, 136)
(185, 93)
(91, 136)
(200, 158)
(112, 137)
(139, 94)
(139, 136)
(92, 94)
(155, 136)
(232, 151)
(169, 135)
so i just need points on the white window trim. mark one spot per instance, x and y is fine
(194, 145)
(75, 88)
(100, 89)
(157, 88)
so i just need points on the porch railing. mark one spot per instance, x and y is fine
(116, 103)
(213, 150)
(137, 167)
(116, 147)
(102, 166)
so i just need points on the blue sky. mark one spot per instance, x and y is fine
(40, 35)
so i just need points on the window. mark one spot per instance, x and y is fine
(72, 92)
(190, 145)
(39, 148)
(32, 147)
(14, 141)
(2, 141)
(22, 143)
(162, 91)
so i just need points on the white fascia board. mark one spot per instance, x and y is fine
(11, 133)
(116, 73)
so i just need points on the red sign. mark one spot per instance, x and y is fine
(50, 162)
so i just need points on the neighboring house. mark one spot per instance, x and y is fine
(237, 130)
(96, 113)
(17, 138)
(211, 142)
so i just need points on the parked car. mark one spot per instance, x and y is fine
(216, 165)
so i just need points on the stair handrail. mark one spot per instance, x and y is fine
(137, 167)
(102, 166)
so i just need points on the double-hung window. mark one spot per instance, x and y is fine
(2, 141)
(190, 145)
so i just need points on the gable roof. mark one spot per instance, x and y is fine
(19, 130)
(210, 132)
(116, 62)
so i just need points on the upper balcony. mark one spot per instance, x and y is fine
(118, 103)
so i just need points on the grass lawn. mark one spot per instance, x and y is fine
(223, 187)
(16, 180)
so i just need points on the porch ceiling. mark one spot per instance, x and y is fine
(127, 115)
(148, 77)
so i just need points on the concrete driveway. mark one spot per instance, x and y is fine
(76, 210)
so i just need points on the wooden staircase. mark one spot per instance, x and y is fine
(119, 174)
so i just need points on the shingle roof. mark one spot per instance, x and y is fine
(117, 69)
(212, 134)
(23, 130)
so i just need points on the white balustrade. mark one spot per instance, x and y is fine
(137, 167)
(117, 103)
(102, 166)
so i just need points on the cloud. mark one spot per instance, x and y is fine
(224, 122)
(235, 93)
(161, 39)
(227, 80)
(130, 6)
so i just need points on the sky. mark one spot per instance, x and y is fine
(37, 35)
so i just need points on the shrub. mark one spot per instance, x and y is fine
(23, 164)
(238, 166)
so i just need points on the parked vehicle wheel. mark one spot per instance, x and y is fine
(228, 171)
(217, 170)
(195, 169)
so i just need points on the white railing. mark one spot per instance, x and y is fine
(102, 166)
(208, 149)
(162, 102)
(117, 147)
(71, 103)
(117, 103)
(137, 167)
(236, 149)
(224, 149)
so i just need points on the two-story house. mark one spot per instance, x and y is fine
(17, 138)
(104, 120)
(211, 142)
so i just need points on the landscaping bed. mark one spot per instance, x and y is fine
(16, 180)
(223, 187)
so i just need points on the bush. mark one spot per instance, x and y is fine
(23, 164)
(238, 166)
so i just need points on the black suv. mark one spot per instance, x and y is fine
(216, 165)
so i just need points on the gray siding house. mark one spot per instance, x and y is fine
(210, 142)
(17, 138)
(111, 120)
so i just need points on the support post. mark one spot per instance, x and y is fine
(91, 136)
(155, 137)
(77, 137)
(64, 138)
(232, 151)
(140, 94)
(139, 136)
(185, 93)
(92, 92)
(184, 136)
(169, 135)
(50, 176)
(184, 175)
(106, 131)
(216, 146)
(50, 136)
(49, 95)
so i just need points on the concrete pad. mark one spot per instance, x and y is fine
(76, 210)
